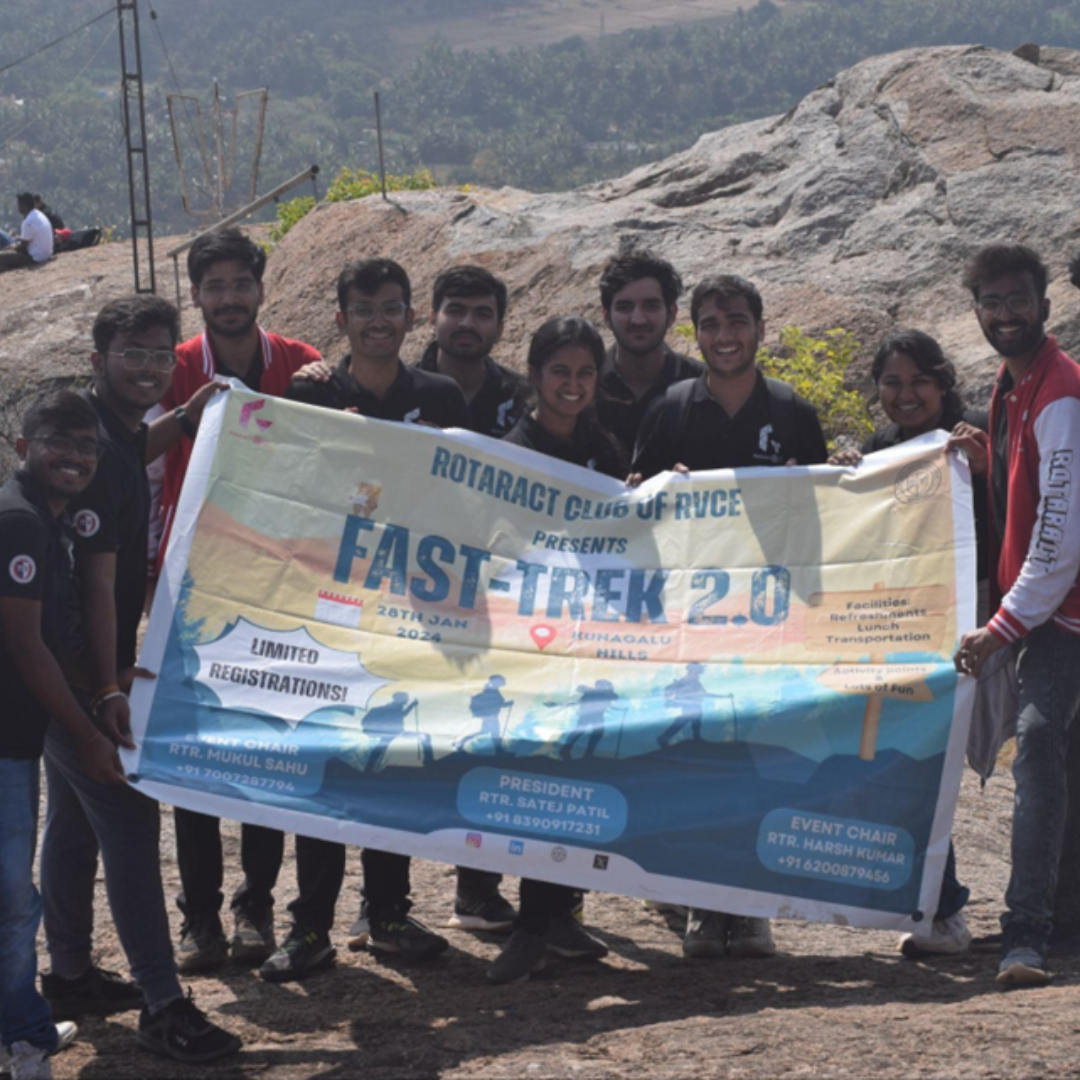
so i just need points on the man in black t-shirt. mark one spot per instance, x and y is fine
(375, 314)
(639, 293)
(133, 362)
(40, 642)
(468, 306)
(731, 417)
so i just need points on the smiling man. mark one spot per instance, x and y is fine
(1033, 451)
(731, 417)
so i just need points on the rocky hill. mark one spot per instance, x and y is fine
(856, 209)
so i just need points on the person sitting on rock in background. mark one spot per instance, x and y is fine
(55, 220)
(639, 293)
(916, 387)
(35, 243)
(374, 315)
(1030, 457)
(565, 356)
(729, 417)
(225, 269)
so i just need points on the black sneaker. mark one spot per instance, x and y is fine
(203, 946)
(492, 913)
(305, 952)
(397, 934)
(182, 1032)
(566, 937)
(524, 954)
(97, 992)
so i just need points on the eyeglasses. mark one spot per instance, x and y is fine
(244, 288)
(392, 309)
(138, 359)
(1019, 303)
(63, 446)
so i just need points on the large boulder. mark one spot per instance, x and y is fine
(857, 209)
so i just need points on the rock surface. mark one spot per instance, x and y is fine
(856, 209)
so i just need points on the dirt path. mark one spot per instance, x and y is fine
(837, 1003)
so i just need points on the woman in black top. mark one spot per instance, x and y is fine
(564, 366)
(916, 386)
(564, 362)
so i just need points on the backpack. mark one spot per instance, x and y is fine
(781, 410)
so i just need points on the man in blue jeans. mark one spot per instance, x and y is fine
(133, 362)
(1031, 455)
(39, 638)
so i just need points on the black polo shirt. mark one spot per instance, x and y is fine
(36, 563)
(591, 448)
(619, 411)
(113, 515)
(414, 395)
(500, 402)
(705, 437)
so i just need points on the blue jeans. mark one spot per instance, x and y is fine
(83, 818)
(1048, 670)
(6, 239)
(24, 1013)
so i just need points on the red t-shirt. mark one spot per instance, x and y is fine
(281, 359)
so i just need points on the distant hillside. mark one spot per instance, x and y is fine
(479, 104)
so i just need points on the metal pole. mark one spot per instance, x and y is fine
(378, 130)
(244, 211)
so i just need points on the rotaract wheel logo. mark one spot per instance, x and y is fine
(22, 569)
(918, 482)
(87, 523)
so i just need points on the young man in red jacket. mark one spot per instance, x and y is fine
(1031, 455)
(225, 269)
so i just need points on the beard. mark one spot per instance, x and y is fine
(1026, 342)
(237, 330)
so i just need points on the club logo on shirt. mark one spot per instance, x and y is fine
(22, 569)
(87, 524)
(502, 417)
(411, 417)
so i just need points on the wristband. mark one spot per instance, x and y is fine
(104, 694)
(182, 418)
(108, 697)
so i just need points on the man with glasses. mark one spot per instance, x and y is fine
(374, 315)
(133, 362)
(225, 269)
(1031, 456)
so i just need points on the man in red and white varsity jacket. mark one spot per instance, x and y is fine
(1031, 456)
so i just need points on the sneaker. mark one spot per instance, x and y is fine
(944, 937)
(675, 915)
(524, 954)
(493, 913)
(202, 946)
(305, 952)
(253, 940)
(29, 1062)
(181, 1031)
(397, 934)
(1023, 966)
(750, 938)
(97, 992)
(706, 934)
(33, 1058)
(568, 938)
(360, 931)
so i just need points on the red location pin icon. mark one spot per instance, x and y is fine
(543, 635)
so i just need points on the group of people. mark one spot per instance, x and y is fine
(36, 241)
(82, 522)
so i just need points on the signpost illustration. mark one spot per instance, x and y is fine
(874, 623)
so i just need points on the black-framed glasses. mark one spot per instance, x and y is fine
(138, 359)
(65, 446)
(1019, 303)
(392, 310)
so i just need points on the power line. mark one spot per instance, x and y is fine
(60, 93)
(172, 70)
(38, 52)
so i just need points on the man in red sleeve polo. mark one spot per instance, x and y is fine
(225, 269)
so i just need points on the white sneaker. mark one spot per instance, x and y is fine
(944, 937)
(32, 1057)
(359, 933)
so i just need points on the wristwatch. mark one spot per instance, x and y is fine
(186, 426)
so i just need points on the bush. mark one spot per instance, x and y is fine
(349, 184)
(816, 368)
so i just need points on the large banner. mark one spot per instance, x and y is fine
(733, 690)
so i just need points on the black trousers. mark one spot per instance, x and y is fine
(541, 901)
(320, 870)
(476, 884)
